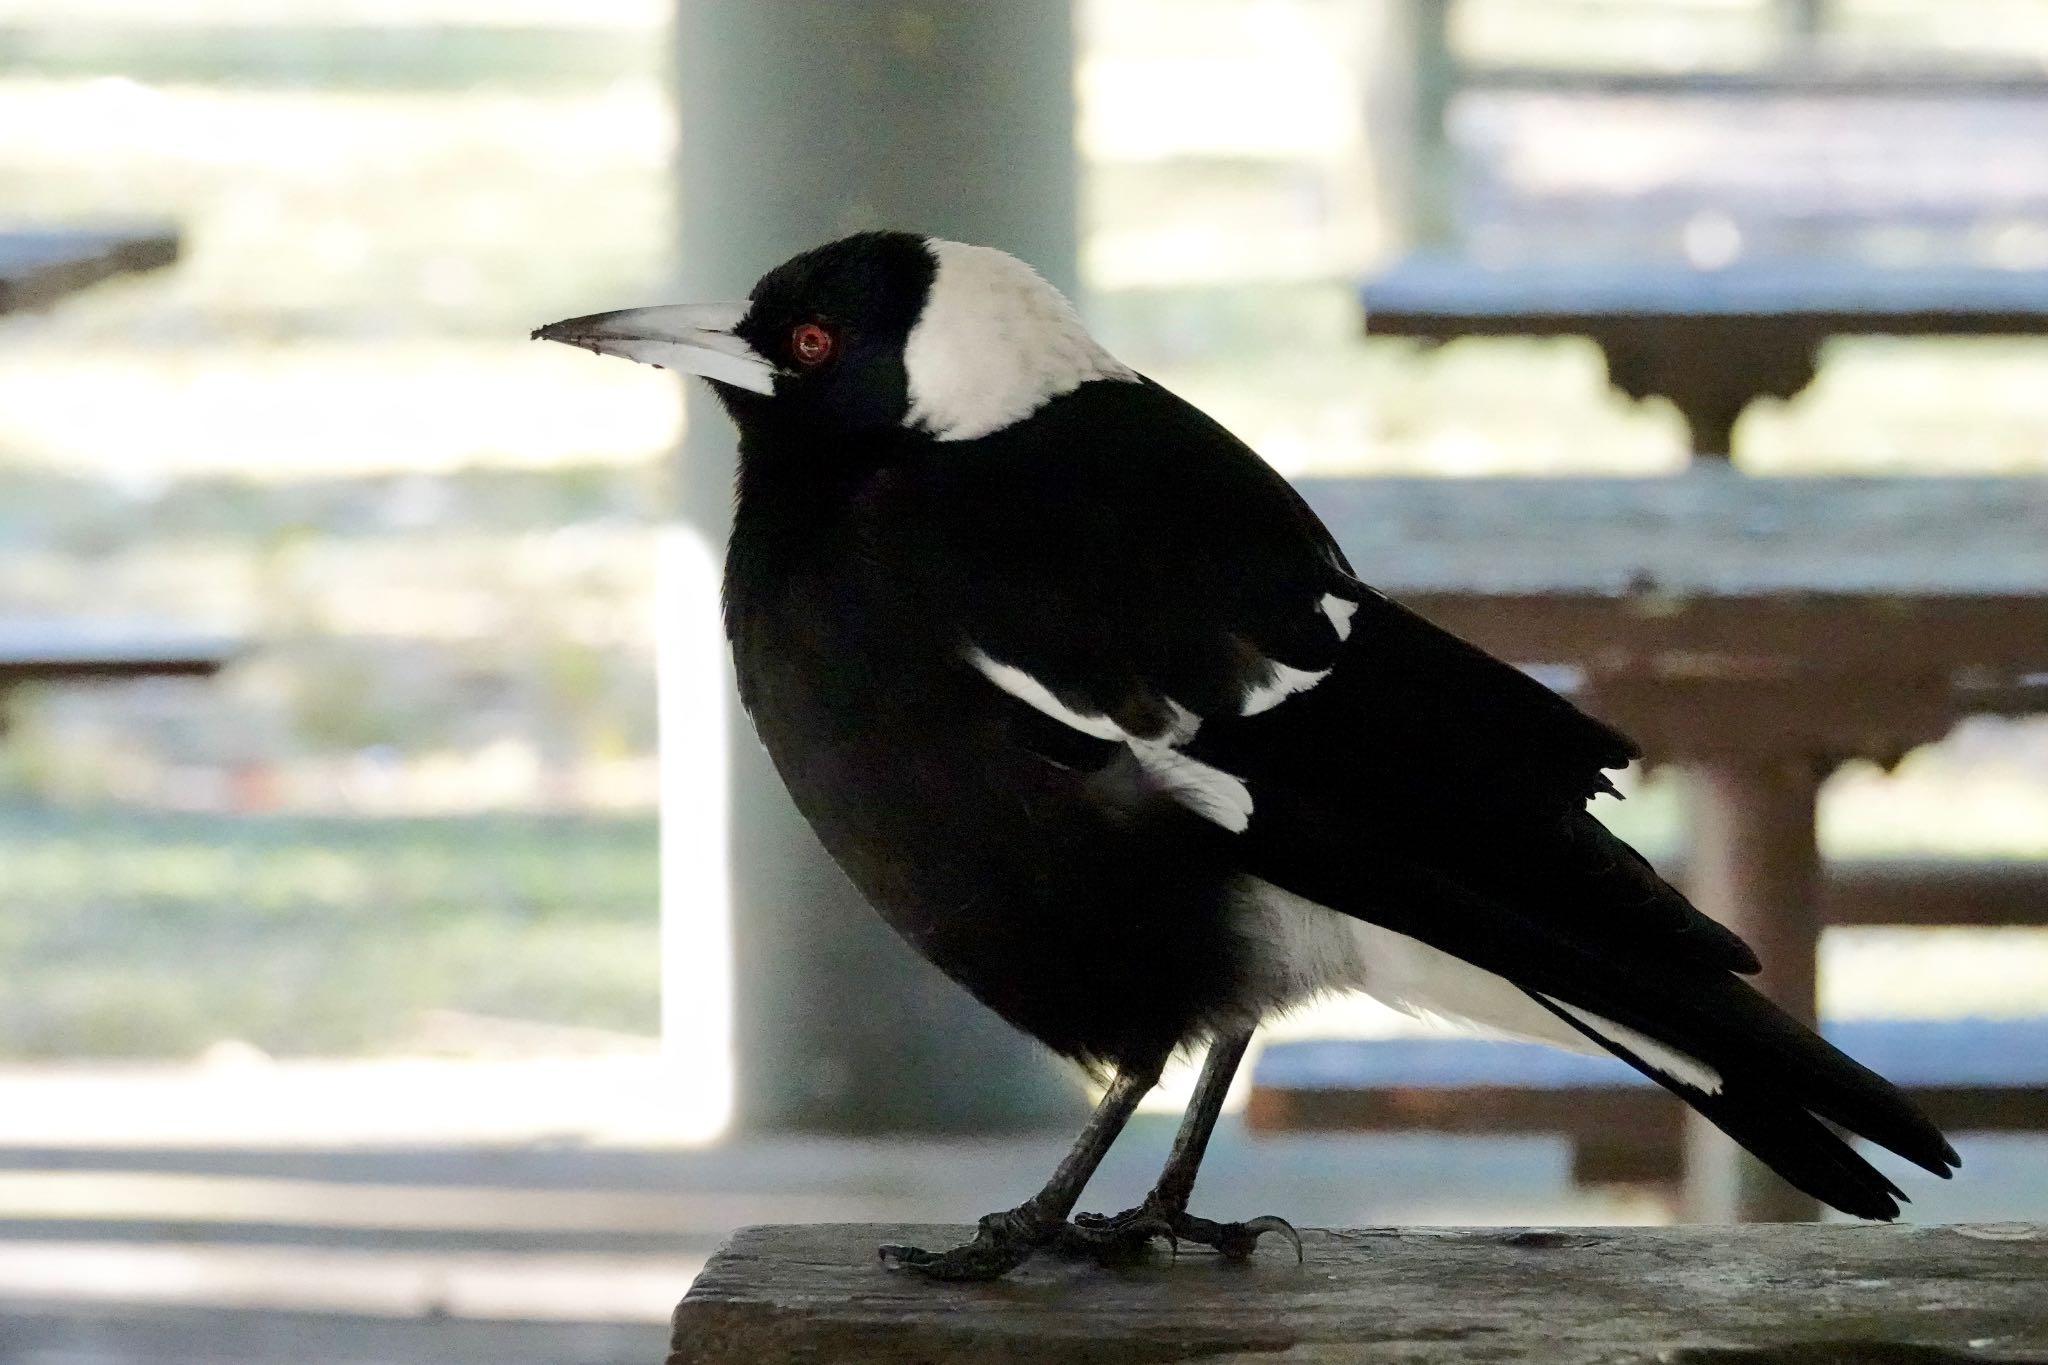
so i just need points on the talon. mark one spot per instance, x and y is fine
(1258, 1227)
(1002, 1242)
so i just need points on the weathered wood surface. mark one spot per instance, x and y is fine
(40, 266)
(1815, 1295)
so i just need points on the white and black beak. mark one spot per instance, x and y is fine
(690, 338)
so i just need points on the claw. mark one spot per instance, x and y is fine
(1260, 1226)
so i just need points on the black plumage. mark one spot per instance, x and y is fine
(1093, 710)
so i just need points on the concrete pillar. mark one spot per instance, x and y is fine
(804, 120)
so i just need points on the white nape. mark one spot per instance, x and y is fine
(994, 344)
(1215, 795)
(1309, 949)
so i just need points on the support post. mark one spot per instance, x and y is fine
(1755, 866)
(802, 121)
(1413, 85)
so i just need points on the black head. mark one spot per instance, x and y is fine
(882, 330)
(835, 322)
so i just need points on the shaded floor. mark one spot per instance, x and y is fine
(574, 1253)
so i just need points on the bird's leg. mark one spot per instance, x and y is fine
(1165, 1210)
(1003, 1240)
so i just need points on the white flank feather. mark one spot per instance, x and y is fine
(1313, 949)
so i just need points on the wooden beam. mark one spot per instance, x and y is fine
(1982, 893)
(1878, 636)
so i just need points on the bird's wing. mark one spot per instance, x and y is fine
(1173, 620)
(1146, 590)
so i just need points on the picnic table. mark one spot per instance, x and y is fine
(1755, 632)
(47, 649)
(40, 266)
(1711, 341)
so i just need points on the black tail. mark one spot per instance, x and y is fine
(1779, 1080)
(1776, 1085)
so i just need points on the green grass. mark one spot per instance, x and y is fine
(145, 934)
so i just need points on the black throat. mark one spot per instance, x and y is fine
(797, 493)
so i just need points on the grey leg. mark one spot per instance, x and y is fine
(1184, 1162)
(1165, 1210)
(1003, 1240)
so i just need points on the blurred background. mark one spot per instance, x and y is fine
(331, 984)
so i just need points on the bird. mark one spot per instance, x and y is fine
(1093, 709)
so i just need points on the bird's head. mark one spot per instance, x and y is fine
(875, 331)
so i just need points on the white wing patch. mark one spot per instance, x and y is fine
(994, 343)
(1211, 793)
(1285, 680)
(1039, 697)
(1215, 795)
(1340, 610)
(1283, 683)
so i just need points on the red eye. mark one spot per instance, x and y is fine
(810, 343)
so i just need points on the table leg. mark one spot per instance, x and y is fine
(1710, 368)
(1756, 867)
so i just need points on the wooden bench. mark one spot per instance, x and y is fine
(1746, 631)
(1711, 341)
(1780, 1295)
(39, 266)
(66, 649)
(1971, 1075)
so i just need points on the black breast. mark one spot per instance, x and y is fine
(1100, 930)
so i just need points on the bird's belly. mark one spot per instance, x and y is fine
(1105, 938)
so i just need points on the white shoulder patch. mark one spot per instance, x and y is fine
(994, 343)
(1340, 610)
(1039, 697)
(1215, 795)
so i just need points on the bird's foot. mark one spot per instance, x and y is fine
(1128, 1234)
(1001, 1243)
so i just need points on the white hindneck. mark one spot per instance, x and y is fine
(994, 343)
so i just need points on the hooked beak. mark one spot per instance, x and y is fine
(692, 338)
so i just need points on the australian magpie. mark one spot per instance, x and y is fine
(1089, 704)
